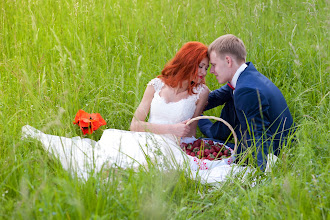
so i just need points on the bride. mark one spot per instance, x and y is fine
(178, 94)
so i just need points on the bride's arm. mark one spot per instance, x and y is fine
(201, 103)
(139, 124)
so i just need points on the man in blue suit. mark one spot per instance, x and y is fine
(253, 105)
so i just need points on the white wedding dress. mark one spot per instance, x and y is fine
(132, 149)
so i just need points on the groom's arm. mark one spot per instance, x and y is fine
(252, 111)
(218, 97)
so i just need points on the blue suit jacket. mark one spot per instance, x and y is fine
(263, 114)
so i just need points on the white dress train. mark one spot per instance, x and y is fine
(132, 149)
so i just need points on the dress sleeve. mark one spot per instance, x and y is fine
(198, 90)
(156, 83)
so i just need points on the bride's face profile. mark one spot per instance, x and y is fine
(202, 69)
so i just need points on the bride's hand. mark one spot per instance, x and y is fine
(181, 129)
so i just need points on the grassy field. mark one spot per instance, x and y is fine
(57, 57)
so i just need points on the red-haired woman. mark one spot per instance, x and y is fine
(171, 99)
(178, 94)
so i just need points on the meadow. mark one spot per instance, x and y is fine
(59, 56)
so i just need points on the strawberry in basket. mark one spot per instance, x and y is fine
(214, 153)
(206, 149)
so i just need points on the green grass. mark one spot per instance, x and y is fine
(59, 56)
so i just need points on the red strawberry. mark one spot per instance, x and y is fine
(217, 149)
(197, 143)
(215, 154)
(206, 152)
(211, 157)
(210, 142)
(212, 151)
(192, 154)
(188, 152)
(189, 147)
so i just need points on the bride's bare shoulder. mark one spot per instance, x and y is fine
(204, 89)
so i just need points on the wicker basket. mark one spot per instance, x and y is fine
(218, 119)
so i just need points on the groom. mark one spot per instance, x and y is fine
(253, 105)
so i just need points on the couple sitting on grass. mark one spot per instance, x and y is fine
(253, 106)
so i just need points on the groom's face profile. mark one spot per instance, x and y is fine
(220, 67)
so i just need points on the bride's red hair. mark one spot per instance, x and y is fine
(184, 66)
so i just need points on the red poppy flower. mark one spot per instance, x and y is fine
(88, 122)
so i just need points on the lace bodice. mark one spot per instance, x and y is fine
(172, 112)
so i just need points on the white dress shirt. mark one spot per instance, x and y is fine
(237, 74)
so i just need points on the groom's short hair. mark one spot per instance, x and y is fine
(228, 44)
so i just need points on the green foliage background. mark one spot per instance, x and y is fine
(57, 56)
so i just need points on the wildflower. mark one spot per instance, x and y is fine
(88, 122)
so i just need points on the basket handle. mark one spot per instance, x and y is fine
(218, 119)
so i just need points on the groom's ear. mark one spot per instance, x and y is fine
(229, 61)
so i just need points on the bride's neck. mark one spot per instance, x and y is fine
(178, 89)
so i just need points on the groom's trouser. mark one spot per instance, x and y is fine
(218, 131)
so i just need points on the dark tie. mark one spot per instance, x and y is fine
(230, 86)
